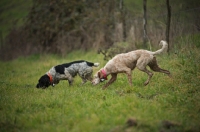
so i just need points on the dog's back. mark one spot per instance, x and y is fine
(79, 62)
(77, 66)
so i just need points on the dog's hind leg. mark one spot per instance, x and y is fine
(113, 78)
(154, 66)
(143, 68)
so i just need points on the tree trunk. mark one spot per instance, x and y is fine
(123, 14)
(168, 23)
(144, 24)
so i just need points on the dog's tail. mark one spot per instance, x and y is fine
(92, 64)
(96, 64)
(164, 47)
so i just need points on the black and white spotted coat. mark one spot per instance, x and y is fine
(67, 71)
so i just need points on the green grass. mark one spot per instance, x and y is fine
(87, 108)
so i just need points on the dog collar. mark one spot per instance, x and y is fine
(104, 74)
(51, 78)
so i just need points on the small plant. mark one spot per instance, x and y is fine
(116, 48)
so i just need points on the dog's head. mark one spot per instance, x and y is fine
(98, 77)
(44, 82)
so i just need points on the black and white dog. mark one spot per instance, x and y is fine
(67, 71)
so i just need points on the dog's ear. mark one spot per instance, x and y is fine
(43, 82)
(40, 82)
(100, 75)
(47, 81)
(37, 86)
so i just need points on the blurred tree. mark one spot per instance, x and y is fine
(168, 23)
(123, 18)
(145, 37)
(60, 26)
(48, 18)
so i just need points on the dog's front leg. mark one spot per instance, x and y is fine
(113, 78)
(83, 81)
(129, 75)
(86, 77)
(70, 82)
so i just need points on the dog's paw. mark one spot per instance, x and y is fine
(146, 83)
(104, 87)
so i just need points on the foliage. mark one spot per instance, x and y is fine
(166, 104)
(13, 13)
(60, 27)
(48, 18)
(116, 48)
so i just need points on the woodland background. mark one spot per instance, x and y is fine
(109, 27)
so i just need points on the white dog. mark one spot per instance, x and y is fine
(126, 62)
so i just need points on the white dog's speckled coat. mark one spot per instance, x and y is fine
(126, 62)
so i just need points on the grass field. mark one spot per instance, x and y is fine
(166, 104)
